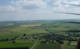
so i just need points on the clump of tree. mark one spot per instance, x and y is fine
(13, 41)
(60, 41)
(4, 39)
(24, 34)
(78, 44)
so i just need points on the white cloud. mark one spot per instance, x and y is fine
(7, 8)
(39, 9)
(73, 3)
(27, 3)
(57, 5)
(64, 5)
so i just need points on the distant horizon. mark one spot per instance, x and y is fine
(38, 20)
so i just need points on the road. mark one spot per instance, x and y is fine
(35, 44)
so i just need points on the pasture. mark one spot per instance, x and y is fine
(25, 34)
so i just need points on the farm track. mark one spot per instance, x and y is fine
(35, 44)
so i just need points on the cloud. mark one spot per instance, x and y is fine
(39, 9)
(29, 4)
(74, 3)
(68, 13)
(64, 6)
(72, 13)
(7, 8)
(57, 5)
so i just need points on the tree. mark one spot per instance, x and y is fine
(13, 41)
(24, 34)
(60, 41)
(78, 45)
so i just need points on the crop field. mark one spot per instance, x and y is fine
(19, 43)
(39, 34)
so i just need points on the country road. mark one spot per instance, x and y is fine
(35, 44)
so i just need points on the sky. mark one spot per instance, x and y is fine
(39, 9)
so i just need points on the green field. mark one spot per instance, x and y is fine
(39, 34)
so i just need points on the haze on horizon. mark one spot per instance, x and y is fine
(39, 9)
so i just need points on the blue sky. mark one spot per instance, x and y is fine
(39, 9)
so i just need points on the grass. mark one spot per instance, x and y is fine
(70, 47)
(47, 46)
(19, 43)
(35, 28)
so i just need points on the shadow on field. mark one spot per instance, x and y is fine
(78, 45)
